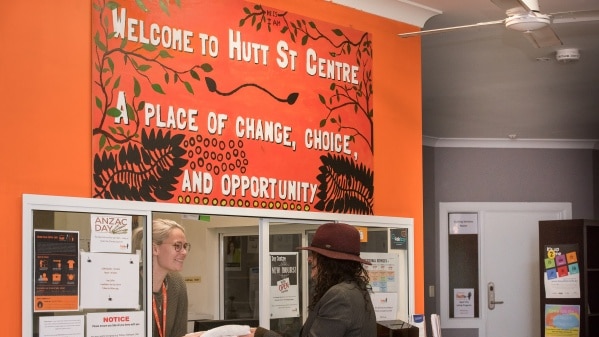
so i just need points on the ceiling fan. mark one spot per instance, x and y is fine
(525, 16)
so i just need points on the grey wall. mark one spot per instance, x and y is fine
(501, 175)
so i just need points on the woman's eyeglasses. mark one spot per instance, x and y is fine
(180, 245)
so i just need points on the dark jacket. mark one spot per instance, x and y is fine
(341, 312)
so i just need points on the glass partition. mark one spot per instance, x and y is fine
(241, 278)
(82, 274)
(82, 267)
(240, 265)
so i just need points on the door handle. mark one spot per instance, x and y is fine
(491, 296)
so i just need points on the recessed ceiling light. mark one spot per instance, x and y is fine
(544, 59)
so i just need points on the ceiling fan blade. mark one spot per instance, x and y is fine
(448, 29)
(513, 6)
(544, 37)
(575, 16)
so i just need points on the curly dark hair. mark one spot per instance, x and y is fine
(333, 271)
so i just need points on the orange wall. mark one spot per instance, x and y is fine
(45, 131)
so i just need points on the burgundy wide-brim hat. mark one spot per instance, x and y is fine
(337, 241)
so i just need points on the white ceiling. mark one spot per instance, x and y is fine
(486, 82)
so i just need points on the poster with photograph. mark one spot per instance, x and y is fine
(233, 253)
(56, 270)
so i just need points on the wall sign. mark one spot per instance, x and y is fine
(562, 272)
(230, 103)
(463, 302)
(110, 233)
(398, 239)
(463, 223)
(284, 292)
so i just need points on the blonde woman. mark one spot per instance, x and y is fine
(169, 293)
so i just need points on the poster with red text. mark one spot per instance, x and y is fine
(230, 103)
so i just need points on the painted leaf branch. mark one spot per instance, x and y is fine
(164, 5)
(341, 97)
(141, 60)
(301, 30)
(130, 166)
(143, 172)
(344, 186)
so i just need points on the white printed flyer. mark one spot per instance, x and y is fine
(110, 233)
(115, 324)
(109, 281)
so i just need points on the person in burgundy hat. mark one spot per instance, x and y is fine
(341, 305)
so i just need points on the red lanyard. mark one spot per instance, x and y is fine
(161, 327)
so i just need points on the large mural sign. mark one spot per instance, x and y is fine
(230, 103)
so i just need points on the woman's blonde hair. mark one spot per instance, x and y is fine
(161, 229)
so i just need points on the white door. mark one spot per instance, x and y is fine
(509, 262)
